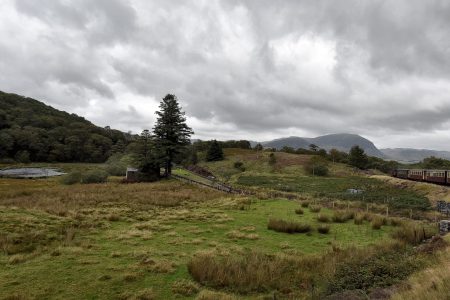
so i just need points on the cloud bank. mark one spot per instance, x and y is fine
(255, 69)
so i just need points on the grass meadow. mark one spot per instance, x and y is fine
(169, 239)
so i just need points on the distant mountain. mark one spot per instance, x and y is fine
(340, 141)
(292, 141)
(409, 155)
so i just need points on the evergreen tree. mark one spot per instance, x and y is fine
(358, 158)
(148, 156)
(194, 156)
(171, 132)
(215, 152)
(313, 147)
(259, 147)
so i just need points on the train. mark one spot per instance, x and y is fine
(433, 176)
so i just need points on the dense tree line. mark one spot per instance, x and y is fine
(205, 145)
(33, 131)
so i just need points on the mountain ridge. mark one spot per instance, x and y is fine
(339, 141)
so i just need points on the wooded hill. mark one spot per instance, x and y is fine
(33, 131)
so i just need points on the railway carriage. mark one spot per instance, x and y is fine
(433, 176)
(401, 173)
(437, 176)
(416, 175)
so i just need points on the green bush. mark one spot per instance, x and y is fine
(95, 176)
(385, 267)
(71, 178)
(116, 169)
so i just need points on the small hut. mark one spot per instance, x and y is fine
(132, 175)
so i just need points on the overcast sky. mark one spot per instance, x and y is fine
(255, 70)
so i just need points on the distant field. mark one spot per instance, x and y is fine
(375, 190)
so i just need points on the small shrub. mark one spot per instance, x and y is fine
(305, 204)
(71, 178)
(95, 176)
(342, 216)
(288, 226)
(323, 229)
(314, 208)
(299, 211)
(116, 169)
(323, 218)
(239, 165)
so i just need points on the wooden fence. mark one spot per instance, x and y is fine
(216, 185)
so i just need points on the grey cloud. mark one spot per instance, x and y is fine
(257, 67)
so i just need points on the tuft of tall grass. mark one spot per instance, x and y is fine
(395, 221)
(323, 218)
(315, 208)
(414, 234)
(253, 271)
(185, 288)
(377, 222)
(323, 229)
(211, 295)
(342, 216)
(299, 211)
(358, 219)
(305, 204)
(288, 226)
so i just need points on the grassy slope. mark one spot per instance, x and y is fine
(431, 283)
(288, 175)
(433, 192)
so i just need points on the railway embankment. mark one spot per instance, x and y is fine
(434, 192)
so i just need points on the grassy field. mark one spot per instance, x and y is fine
(169, 239)
(116, 240)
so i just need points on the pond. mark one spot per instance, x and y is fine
(30, 172)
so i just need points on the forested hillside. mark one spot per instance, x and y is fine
(33, 131)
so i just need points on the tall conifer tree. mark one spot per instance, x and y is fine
(171, 131)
